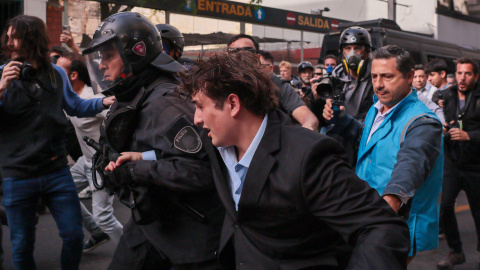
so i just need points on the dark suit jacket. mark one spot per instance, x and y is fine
(299, 202)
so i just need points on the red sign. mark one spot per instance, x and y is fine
(291, 18)
(334, 25)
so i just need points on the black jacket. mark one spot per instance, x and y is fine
(300, 200)
(32, 123)
(465, 154)
(181, 172)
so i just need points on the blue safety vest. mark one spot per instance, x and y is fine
(377, 158)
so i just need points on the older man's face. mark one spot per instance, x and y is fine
(389, 84)
(419, 79)
(286, 73)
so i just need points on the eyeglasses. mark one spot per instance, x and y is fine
(319, 74)
(248, 49)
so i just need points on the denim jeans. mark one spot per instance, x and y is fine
(20, 197)
(102, 204)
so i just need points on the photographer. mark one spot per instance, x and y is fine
(352, 77)
(351, 84)
(33, 156)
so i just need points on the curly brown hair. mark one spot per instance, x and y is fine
(32, 33)
(238, 73)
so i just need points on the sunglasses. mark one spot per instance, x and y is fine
(319, 74)
(248, 49)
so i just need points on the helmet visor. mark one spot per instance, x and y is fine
(107, 66)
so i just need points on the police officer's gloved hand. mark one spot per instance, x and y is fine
(123, 175)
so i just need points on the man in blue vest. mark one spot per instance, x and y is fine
(400, 152)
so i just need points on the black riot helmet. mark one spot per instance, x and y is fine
(355, 35)
(173, 37)
(305, 65)
(122, 46)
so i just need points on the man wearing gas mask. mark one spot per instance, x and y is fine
(151, 154)
(349, 85)
(352, 76)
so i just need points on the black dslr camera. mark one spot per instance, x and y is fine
(325, 88)
(27, 72)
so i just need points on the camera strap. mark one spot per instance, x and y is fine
(53, 78)
(53, 81)
(461, 112)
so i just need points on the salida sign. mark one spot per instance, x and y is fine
(315, 23)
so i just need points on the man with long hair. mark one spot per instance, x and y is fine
(33, 159)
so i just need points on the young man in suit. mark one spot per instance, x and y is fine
(291, 197)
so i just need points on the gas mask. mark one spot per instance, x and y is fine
(354, 61)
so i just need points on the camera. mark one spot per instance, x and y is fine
(325, 88)
(447, 127)
(440, 95)
(27, 72)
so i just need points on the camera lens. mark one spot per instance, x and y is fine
(28, 72)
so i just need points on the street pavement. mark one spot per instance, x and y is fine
(48, 243)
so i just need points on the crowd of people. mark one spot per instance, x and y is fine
(225, 165)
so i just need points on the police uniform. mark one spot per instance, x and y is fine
(176, 213)
(182, 172)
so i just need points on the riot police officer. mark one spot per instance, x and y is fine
(172, 40)
(173, 43)
(163, 173)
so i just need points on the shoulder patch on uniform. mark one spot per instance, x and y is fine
(187, 140)
(184, 136)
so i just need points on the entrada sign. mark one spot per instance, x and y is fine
(224, 8)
